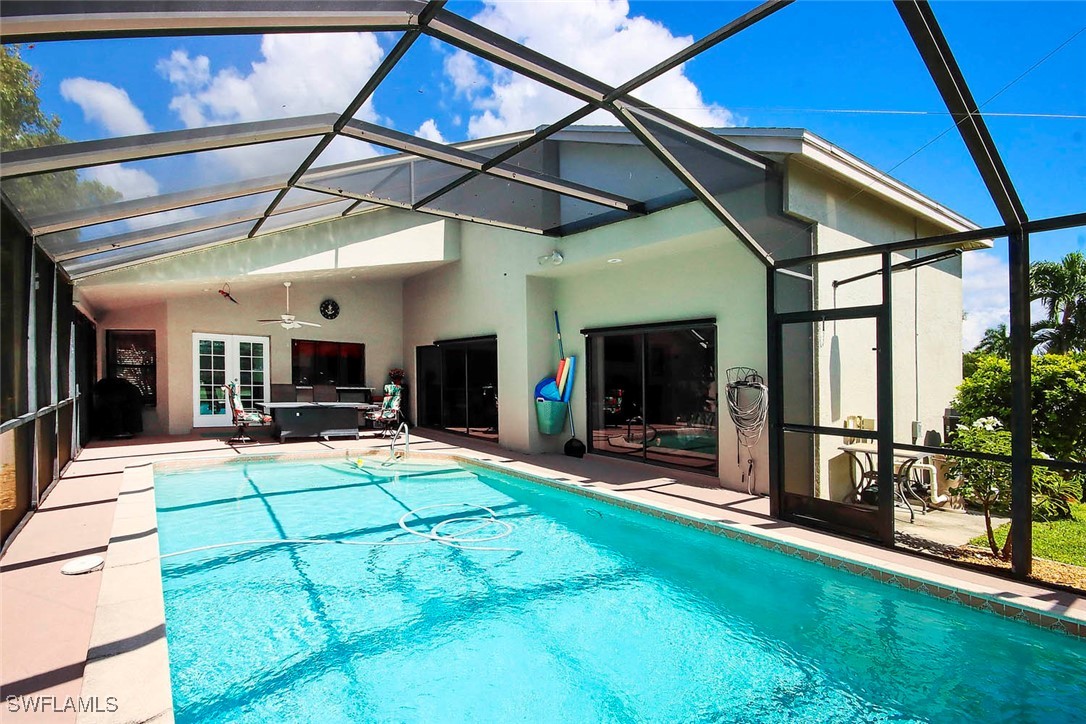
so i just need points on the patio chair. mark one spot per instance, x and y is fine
(388, 417)
(242, 417)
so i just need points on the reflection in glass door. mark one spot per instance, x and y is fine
(222, 358)
(652, 394)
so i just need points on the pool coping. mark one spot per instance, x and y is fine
(944, 588)
(128, 657)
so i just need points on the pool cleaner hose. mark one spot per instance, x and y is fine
(438, 533)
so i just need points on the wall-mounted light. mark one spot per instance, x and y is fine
(555, 258)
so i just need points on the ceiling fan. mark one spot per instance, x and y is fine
(287, 321)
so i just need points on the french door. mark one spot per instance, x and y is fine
(221, 358)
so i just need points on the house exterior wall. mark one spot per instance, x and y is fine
(487, 292)
(678, 264)
(371, 313)
(927, 322)
(709, 275)
(156, 420)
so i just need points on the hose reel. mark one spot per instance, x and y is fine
(748, 405)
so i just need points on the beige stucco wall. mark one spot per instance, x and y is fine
(678, 264)
(146, 317)
(707, 275)
(485, 293)
(927, 321)
(371, 313)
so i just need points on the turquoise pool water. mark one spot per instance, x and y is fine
(599, 614)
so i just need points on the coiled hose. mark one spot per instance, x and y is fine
(749, 416)
(461, 540)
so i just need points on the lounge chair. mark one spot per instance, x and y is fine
(242, 417)
(388, 417)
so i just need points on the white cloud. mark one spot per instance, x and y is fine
(106, 105)
(135, 183)
(296, 75)
(598, 38)
(986, 297)
(429, 131)
(463, 69)
(131, 183)
(183, 71)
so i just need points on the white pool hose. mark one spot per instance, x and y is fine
(459, 540)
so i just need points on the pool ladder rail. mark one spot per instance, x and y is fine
(406, 432)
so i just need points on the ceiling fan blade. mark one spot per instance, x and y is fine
(307, 324)
(265, 321)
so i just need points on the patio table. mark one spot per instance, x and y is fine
(865, 455)
(315, 419)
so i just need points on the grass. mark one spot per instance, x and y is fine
(1058, 540)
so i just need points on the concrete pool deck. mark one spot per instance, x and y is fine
(48, 620)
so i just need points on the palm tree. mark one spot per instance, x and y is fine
(1061, 287)
(995, 341)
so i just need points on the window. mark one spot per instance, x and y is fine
(328, 363)
(130, 355)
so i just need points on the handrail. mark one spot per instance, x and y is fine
(403, 428)
(41, 412)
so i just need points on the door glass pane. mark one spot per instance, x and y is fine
(454, 383)
(680, 398)
(482, 390)
(428, 383)
(251, 384)
(212, 376)
(615, 405)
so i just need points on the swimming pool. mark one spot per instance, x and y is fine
(597, 614)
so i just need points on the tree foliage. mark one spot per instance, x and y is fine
(988, 483)
(23, 124)
(1058, 404)
(1061, 287)
(996, 341)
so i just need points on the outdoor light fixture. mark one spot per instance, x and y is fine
(555, 257)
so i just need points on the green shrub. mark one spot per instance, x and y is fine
(1058, 404)
(988, 483)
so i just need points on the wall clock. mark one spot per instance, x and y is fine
(329, 309)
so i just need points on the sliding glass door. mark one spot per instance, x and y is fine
(457, 385)
(221, 358)
(652, 394)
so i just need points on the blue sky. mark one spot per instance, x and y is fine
(804, 67)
